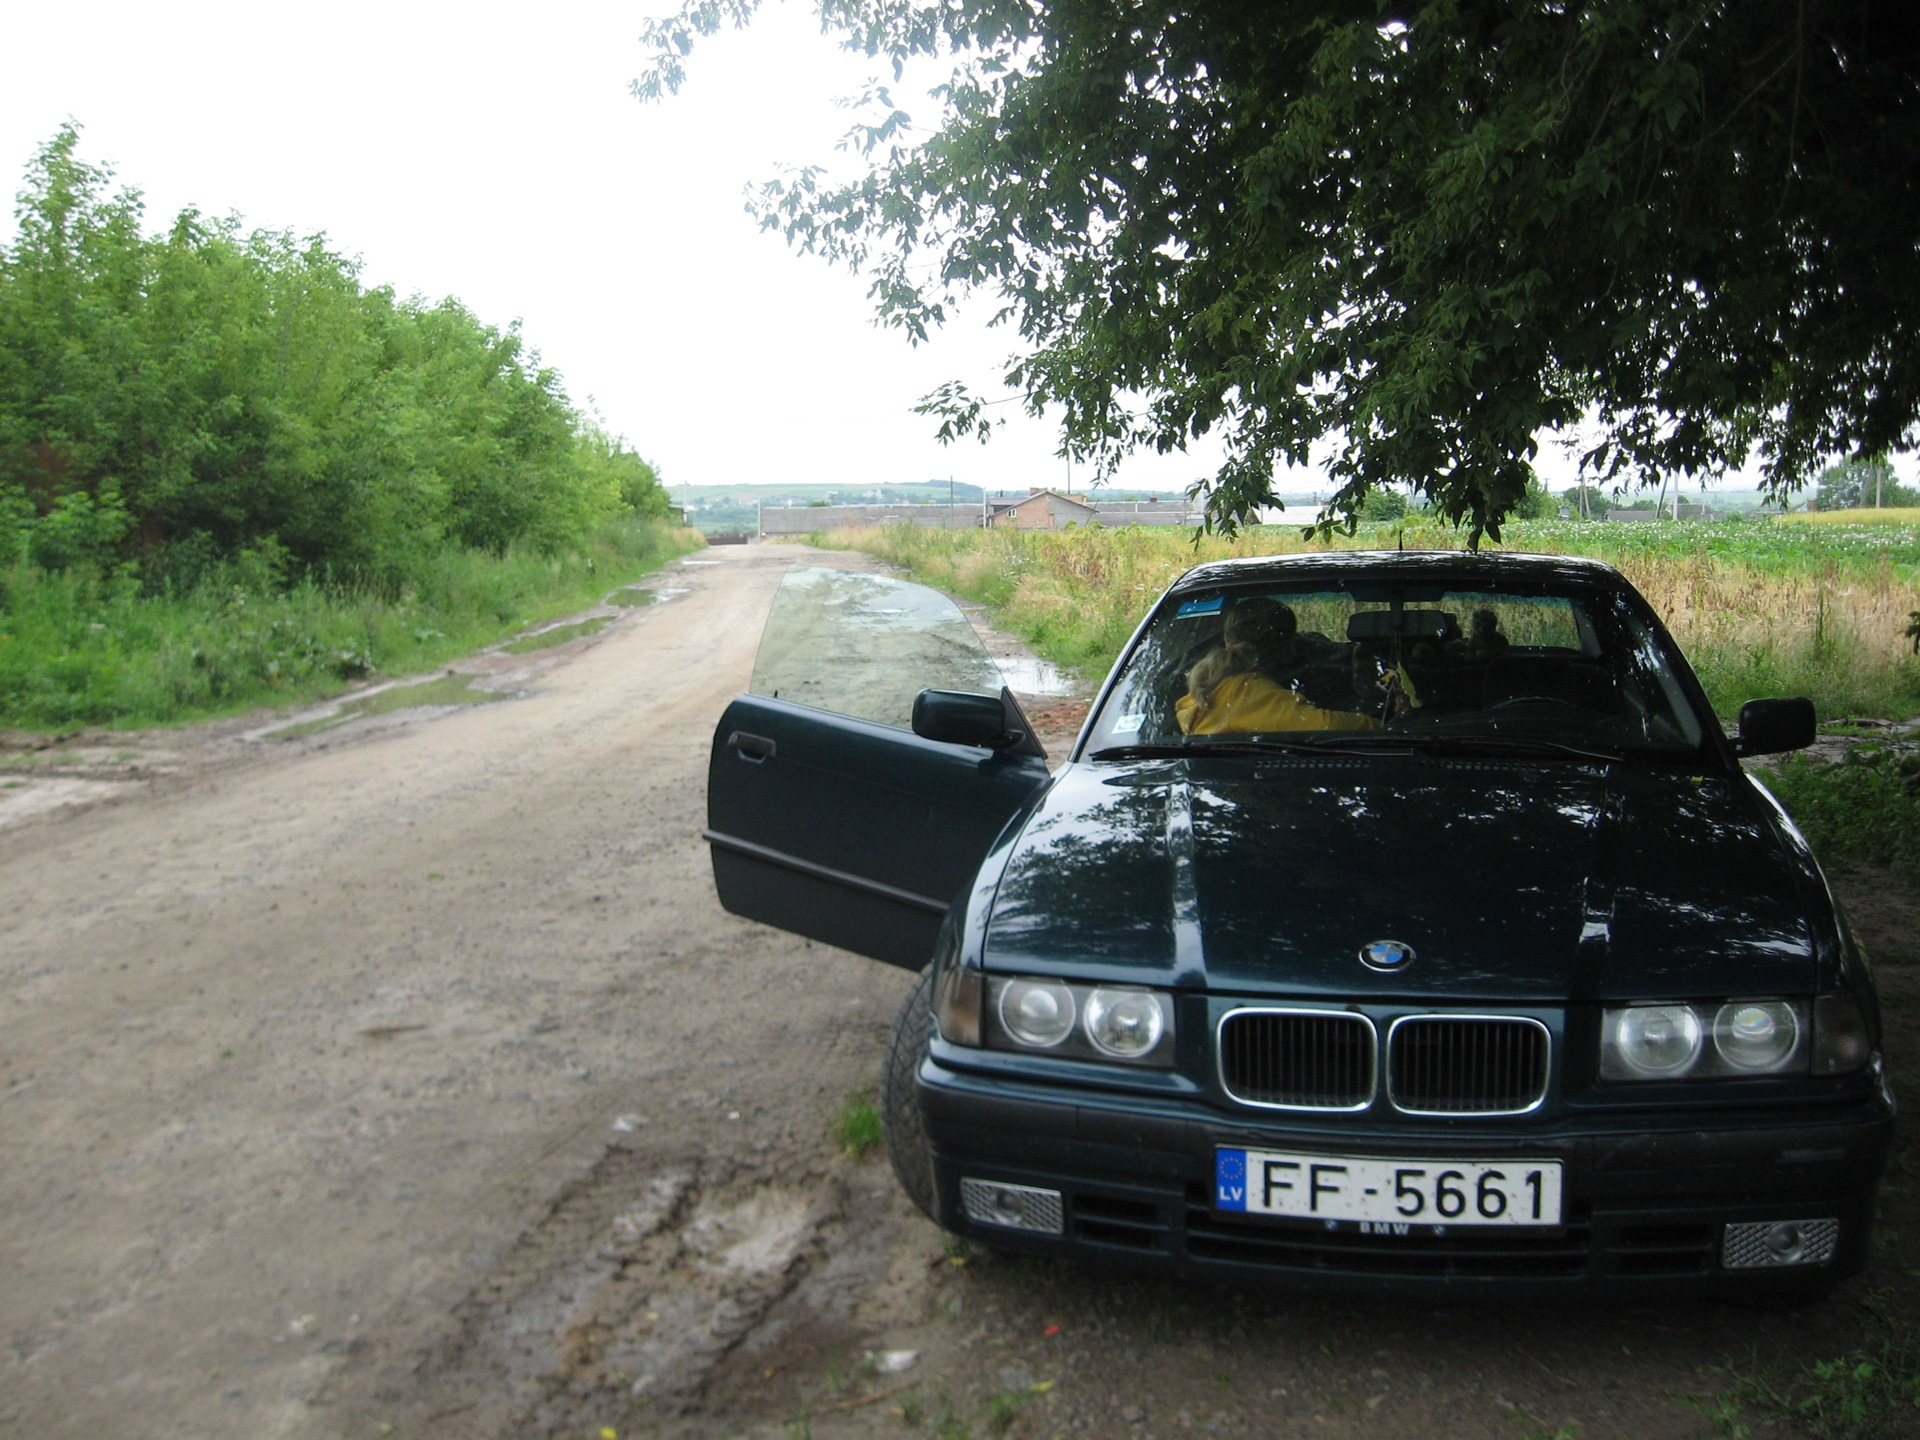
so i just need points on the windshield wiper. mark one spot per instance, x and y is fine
(1513, 745)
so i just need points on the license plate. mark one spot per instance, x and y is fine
(1387, 1196)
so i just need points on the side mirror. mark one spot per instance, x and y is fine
(1768, 727)
(959, 717)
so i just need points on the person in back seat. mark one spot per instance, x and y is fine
(1485, 642)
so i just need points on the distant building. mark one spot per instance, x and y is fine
(1145, 512)
(1679, 510)
(1042, 510)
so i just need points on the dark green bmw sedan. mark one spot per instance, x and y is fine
(1401, 922)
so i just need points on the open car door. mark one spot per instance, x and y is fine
(827, 815)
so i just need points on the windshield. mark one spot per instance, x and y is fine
(1473, 667)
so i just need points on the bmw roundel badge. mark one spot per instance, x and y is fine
(1386, 955)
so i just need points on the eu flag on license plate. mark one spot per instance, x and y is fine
(1230, 1179)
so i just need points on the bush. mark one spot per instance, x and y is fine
(173, 400)
(1865, 807)
(1383, 505)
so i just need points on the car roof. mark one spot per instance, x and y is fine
(1374, 567)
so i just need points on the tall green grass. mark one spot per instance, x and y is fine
(78, 648)
(1863, 807)
(1760, 608)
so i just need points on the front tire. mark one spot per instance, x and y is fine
(900, 1121)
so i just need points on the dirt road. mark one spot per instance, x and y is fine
(408, 1081)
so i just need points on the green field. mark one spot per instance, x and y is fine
(1761, 607)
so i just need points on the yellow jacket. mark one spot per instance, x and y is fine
(1251, 703)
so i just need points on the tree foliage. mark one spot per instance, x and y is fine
(1416, 232)
(1852, 484)
(180, 399)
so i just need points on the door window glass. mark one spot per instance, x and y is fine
(864, 645)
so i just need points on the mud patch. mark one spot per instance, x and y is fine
(445, 692)
(635, 596)
(23, 797)
(619, 1303)
(557, 635)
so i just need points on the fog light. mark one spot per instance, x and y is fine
(1765, 1243)
(1018, 1207)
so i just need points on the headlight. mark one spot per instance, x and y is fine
(1038, 1013)
(1125, 1024)
(1678, 1041)
(1086, 1022)
(1651, 1041)
(1756, 1035)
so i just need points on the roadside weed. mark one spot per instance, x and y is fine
(1003, 1409)
(1871, 1393)
(857, 1128)
(1865, 807)
(89, 649)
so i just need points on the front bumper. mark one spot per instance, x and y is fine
(1645, 1210)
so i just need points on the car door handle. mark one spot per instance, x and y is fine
(757, 748)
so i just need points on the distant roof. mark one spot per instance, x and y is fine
(998, 505)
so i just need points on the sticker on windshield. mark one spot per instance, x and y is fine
(1129, 724)
(1210, 606)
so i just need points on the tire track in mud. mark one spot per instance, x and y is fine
(620, 1300)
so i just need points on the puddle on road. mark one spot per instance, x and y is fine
(558, 635)
(447, 690)
(1030, 675)
(703, 562)
(636, 595)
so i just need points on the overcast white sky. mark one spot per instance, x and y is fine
(494, 153)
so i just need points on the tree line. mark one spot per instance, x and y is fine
(175, 402)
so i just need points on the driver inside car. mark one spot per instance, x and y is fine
(1228, 693)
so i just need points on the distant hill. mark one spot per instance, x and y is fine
(721, 509)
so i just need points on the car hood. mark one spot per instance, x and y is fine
(1529, 882)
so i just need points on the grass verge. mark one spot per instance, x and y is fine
(856, 1130)
(1871, 1393)
(1865, 807)
(83, 649)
